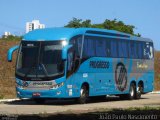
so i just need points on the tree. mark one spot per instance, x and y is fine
(11, 37)
(77, 23)
(107, 24)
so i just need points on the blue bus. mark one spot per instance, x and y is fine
(82, 62)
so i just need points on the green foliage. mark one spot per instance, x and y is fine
(1, 96)
(77, 23)
(11, 38)
(107, 24)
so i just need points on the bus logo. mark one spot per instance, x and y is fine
(121, 77)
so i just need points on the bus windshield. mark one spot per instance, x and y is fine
(40, 59)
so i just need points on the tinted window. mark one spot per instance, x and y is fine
(132, 49)
(122, 48)
(77, 45)
(40, 58)
(108, 47)
(101, 48)
(148, 50)
(96, 47)
(140, 50)
(89, 47)
(114, 52)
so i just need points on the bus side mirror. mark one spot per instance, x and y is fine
(64, 51)
(10, 52)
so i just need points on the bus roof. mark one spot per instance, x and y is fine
(51, 34)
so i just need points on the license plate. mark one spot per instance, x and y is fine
(36, 94)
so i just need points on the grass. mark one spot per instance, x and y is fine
(7, 71)
(1, 96)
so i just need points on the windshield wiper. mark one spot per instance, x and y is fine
(32, 66)
(44, 69)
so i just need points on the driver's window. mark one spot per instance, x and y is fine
(74, 54)
(77, 46)
(70, 61)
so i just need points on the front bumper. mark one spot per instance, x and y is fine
(50, 93)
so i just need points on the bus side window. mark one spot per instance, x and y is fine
(101, 48)
(88, 48)
(140, 50)
(108, 48)
(148, 50)
(132, 50)
(114, 50)
(151, 51)
(70, 60)
(76, 52)
(122, 48)
(77, 45)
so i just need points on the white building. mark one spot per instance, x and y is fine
(35, 24)
(6, 34)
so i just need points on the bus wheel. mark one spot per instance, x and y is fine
(139, 91)
(84, 94)
(39, 101)
(132, 92)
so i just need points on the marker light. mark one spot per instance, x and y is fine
(64, 43)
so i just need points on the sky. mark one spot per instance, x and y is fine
(143, 14)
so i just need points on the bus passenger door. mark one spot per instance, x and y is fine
(73, 76)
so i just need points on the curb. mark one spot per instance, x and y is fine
(8, 100)
(11, 100)
(155, 92)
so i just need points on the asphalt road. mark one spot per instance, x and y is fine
(60, 106)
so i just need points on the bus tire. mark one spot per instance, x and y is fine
(139, 91)
(84, 94)
(39, 101)
(132, 91)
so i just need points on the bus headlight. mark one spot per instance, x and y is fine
(57, 85)
(20, 86)
(64, 43)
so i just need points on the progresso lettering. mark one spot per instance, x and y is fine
(42, 83)
(99, 64)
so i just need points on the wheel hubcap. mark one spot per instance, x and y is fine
(83, 93)
(132, 91)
